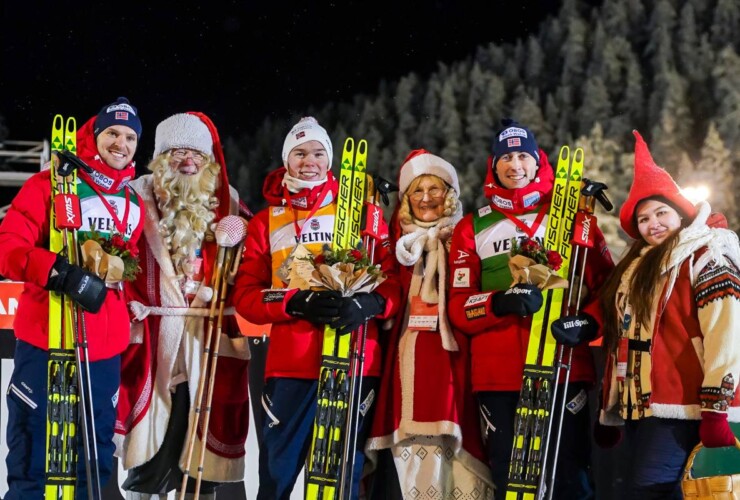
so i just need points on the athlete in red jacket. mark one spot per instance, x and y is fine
(302, 201)
(107, 143)
(497, 318)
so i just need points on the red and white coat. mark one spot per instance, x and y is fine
(166, 327)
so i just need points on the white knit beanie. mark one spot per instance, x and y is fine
(307, 129)
(422, 162)
(183, 130)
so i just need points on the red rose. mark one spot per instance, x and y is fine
(319, 259)
(118, 242)
(554, 260)
(355, 255)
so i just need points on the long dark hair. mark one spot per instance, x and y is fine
(642, 286)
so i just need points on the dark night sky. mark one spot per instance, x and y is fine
(236, 61)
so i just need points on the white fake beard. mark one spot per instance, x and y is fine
(187, 205)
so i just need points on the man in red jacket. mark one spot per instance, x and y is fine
(302, 201)
(497, 316)
(107, 143)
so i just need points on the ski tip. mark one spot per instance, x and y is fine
(564, 153)
(362, 146)
(71, 125)
(349, 145)
(578, 155)
(58, 122)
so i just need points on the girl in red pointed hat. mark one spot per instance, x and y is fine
(670, 311)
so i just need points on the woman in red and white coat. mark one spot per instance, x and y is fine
(670, 315)
(426, 412)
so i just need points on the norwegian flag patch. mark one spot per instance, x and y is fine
(513, 141)
(122, 115)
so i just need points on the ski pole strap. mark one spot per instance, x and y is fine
(141, 311)
(639, 345)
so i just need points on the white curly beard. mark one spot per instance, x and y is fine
(187, 205)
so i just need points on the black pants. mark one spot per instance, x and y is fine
(573, 475)
(162, 473)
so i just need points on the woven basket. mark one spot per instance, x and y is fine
(725, 487)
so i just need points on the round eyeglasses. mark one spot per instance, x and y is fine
(180, 155)
(435, 192)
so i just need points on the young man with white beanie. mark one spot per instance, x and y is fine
(302, 202)
(186, 195)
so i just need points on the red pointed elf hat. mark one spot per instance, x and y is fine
(650, 181)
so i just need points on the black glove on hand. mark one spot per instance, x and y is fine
(82, 286)
(357, 309)
(574, 330)
(317, 307)
(522, 300)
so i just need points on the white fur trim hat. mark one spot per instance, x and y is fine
(307, 129)
(422, 162)
(183, 130)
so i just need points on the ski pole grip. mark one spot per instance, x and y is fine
(69, 162)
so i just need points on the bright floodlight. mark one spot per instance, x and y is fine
(695, 194)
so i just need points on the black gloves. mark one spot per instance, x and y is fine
(574, 330)
(317, 307)
(82, 286)
(522, 300)
(357, 309)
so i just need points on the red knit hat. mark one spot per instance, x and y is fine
(650, 181)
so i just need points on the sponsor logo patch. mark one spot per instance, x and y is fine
(462, 278)
(483, 211)
(120, 107)
(577, 403)
(462, 255)
(272, 296)
(278, 210)
(512, 132)
(478, 298)
(300, 134)
(502, 202)
(531, 199)
(475, 312)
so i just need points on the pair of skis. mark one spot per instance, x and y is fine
(67, 335)
(331, 457)
(533, 420)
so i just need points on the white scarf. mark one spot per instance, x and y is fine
(430, 281)
(294, 184)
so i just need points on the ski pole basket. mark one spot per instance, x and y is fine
(722, 487)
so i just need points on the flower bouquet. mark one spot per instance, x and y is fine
(113, 259)
(348, 271)
(530, 263)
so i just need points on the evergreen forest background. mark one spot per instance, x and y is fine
(668, 68)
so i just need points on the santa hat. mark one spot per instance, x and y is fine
(650, 181)
(307, 129)
(183, 130)
(422, 162)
